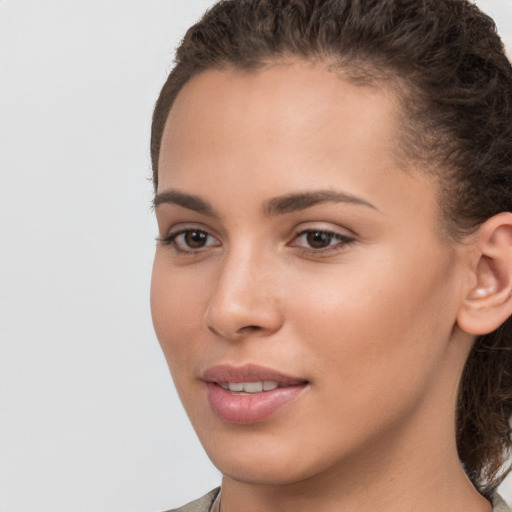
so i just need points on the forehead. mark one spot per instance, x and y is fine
(294, 102)
(284, 128)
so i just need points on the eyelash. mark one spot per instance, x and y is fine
(171, 240)
(342, 241)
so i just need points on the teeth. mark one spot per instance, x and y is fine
(269, 385)
(253, 387)
(249, 387)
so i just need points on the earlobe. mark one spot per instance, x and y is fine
(488, 303)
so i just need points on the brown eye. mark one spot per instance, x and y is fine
(190, 240)
(195, 239)
(318, 239)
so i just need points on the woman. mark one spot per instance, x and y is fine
(333, 279)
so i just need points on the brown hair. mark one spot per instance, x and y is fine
(456, 90)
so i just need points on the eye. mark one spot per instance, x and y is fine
(320, 240)
(190, 240)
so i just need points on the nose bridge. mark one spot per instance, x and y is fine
(244, 299)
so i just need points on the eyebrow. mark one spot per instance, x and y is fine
(273, 207)
(302, 200)
(188, 201)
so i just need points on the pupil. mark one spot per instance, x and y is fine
(195, 239)
(317, 239)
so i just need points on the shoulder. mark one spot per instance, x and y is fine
(498, 505)
(203, 504)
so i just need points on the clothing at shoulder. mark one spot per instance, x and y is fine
(204, 504)
(498, 505)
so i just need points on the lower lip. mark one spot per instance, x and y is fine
(253, 408)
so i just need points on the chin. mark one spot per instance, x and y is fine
(262, 472)
(266, 459)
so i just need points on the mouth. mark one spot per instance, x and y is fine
(250, 394)
(249, 374)
(248, 388)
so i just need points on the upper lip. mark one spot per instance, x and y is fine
(248, 373)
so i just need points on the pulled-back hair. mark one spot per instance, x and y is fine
(447, 65)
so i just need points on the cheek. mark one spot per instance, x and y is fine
(378, 321)
(177, 308)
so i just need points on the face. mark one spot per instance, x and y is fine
(301, 292)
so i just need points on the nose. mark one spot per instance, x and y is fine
(245, 299)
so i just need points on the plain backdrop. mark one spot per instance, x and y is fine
(89, 421)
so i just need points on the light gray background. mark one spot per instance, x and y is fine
(88, 417)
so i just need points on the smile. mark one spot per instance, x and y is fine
(249, 394)
(249, 387)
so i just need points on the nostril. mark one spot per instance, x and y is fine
(249, 328)
(213, 330)
(242, 330)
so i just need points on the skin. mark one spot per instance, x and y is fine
(371, 324)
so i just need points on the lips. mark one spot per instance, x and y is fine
(250, 393)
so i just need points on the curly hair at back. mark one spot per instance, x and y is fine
(448, 67)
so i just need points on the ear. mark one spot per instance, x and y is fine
(488, 302)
